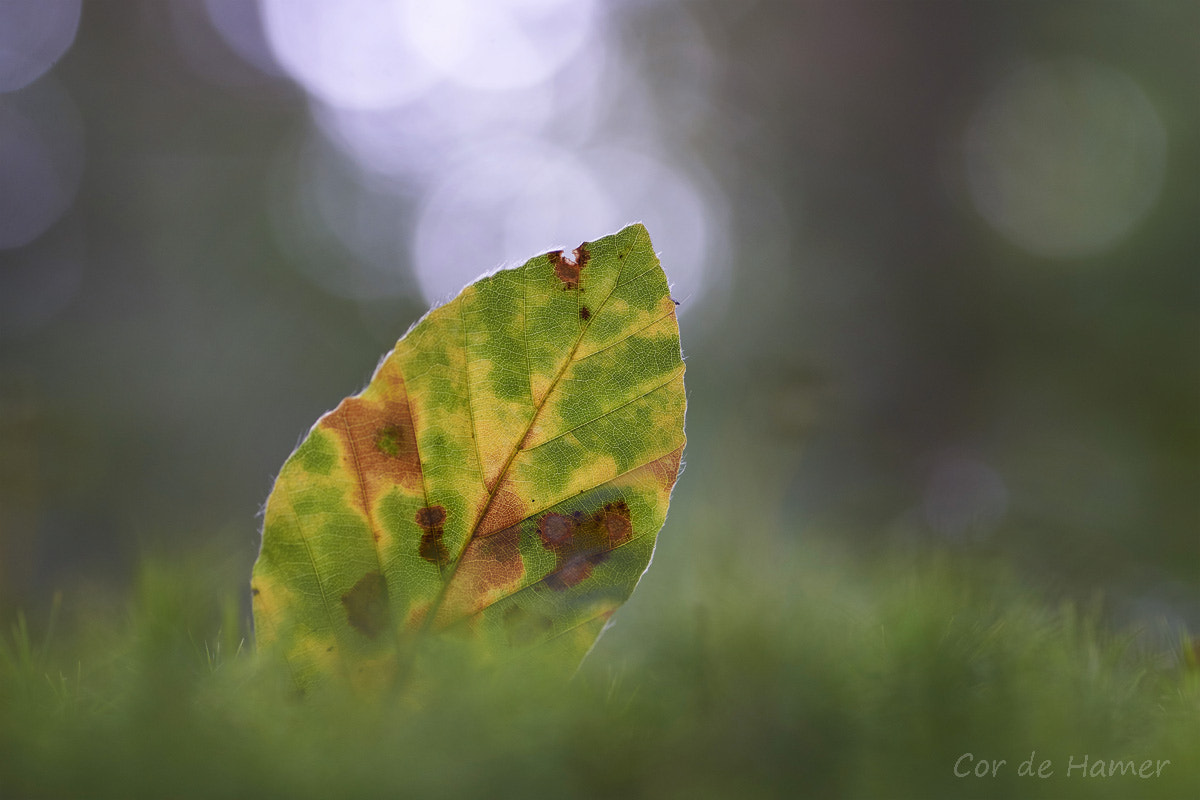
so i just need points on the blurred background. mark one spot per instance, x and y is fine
(939, 262)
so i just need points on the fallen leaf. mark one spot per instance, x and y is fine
(503, 477)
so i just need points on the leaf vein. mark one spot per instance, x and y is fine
(628, 336)
(308, 550)
(674, 374)
(462, 318)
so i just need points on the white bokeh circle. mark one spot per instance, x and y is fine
(475, 218)
(353, 53)
(506, 202)
(501, 44)
(34, 34)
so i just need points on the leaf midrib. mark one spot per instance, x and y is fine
(432, 613)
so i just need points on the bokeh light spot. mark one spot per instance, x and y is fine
(33, 35)
(415, 140)
(502, 44)
(475, 218)
(681, 209)
(514, 199)
(1064, 157)
(353, 53)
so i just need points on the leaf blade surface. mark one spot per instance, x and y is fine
(504, 475)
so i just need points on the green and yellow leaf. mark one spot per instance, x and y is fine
(503, 477)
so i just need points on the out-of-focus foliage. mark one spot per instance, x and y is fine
(810, 674)
(502, 478)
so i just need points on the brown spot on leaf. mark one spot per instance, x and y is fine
(580, 542)
(584, 314)
(567, 269)
(379, 438)
(491, 566)
(431, 516)
(556, 529)
(254, 591)
(432, 548)
(367, 605)
(666, 469)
